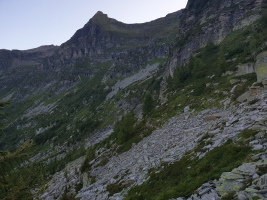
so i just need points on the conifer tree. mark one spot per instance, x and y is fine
(16, 177)
(148, 104)
(125, 127)
(2, 116)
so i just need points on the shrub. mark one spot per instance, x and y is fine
(90, 155)
(262, 169)
(229, 196)
(148, 104)
(124, 129)
(248, 133)
(114, 188)
(183, 177)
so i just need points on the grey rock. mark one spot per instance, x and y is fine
(263, 180)
(211, 196)
(142, 74)
(233, 81)
(214, 132)
(255, 176)
(204, 191)
(245, 169)
(254, 142)
(244, 69)
(207, 147)
(243, 196)
(243, 97)
(186, 109)
(257, 147)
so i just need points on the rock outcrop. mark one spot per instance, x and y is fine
(210, 21)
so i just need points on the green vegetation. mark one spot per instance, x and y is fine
(202, 75)
(256, 197)
(67, 196)
(57, 165)
(2, 116)
(148, 104)
(90, 155)
(124, 129)
(79, 103)
(115, 188)
(229, 196)
(16, 180)
(247, 133)
(262, 169)
(243, 87)
(183, 177)
(126, 132)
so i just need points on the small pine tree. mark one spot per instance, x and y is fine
(124, 128)
(2, 116)
(148, 104)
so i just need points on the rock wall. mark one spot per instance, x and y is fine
(208, 25)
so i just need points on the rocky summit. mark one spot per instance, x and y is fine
(172, 109)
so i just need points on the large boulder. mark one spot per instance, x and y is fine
(261, 66)
(243, 69)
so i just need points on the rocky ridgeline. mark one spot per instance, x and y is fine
(179, 135)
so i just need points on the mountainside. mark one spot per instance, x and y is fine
(174, 108)
(101, 40)
(205, 21)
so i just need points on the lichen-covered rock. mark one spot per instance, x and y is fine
(231, 176)
(229, 185)
(245, 169)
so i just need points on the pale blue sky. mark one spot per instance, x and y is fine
(26, 24)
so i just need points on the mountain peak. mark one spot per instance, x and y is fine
(100, 14)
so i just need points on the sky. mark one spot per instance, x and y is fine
(27, 24)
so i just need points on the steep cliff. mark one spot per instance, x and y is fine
(127, 47)
(205, 21)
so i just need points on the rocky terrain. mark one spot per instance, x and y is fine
(126, 111)
(179, 135)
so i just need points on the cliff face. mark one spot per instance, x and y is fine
(101, 39)
(204, 21)
(17, 58)
(127, 47)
